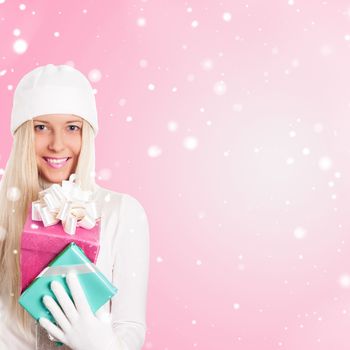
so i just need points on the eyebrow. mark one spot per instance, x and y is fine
(70, 121)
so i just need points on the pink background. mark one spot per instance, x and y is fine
(239, 152)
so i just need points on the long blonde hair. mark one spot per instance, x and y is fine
(21, 177)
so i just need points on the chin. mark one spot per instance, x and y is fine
(55, 178)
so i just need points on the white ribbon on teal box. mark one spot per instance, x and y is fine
(98, 289)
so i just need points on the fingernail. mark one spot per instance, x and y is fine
(71, 275)
(43, 321)
(54, 285)
(46, 299)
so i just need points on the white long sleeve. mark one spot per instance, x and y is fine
(130, 274)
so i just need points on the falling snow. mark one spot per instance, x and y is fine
(94, 75)
(226, 16)
(344, 281)
(20, 46)
(104, 174)
(154, 151)
(299, 233)
(143, 63)
(325, 163)
(194, 24)
(141, 22)
(190, 142)
(220, 88)
(257, 214)
(13, 194)
(16, 32)
(236, 306)
(207, 64)
(172, 126)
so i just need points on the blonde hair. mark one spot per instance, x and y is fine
(21, 177)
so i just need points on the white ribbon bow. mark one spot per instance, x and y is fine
(68, 203)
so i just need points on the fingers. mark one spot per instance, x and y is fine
(103, 316)
(57, 313)
(78, 294)
(52, 329)
(65, 301)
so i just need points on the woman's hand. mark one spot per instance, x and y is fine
(78, 327)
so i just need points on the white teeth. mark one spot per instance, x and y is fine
(56, 161)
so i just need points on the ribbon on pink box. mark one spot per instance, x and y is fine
(67, 203)
(43, 237)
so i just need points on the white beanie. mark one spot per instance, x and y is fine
(53, 89)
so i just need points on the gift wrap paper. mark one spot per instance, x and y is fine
(40, 245)
(97, 288)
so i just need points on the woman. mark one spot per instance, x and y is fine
(54, 122)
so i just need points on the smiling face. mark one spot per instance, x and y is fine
(58, 140)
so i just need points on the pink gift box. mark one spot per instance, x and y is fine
(40, 245)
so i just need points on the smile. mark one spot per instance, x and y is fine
(56, 162)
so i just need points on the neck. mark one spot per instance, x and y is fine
(44, 184)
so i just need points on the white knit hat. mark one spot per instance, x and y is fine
(53, 89)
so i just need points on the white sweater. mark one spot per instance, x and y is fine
(124, 259)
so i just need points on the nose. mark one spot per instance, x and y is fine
(56, 143)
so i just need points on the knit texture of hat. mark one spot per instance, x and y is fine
(52, 89)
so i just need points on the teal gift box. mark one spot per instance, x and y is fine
(97, 288)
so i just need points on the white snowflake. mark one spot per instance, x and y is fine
(290, 161)
(104, 174)
(190, 142)
(172, 126)
(305, 151)
(16, 32)
(13, 194)
(94, 75)
(122, 102)
(194, 24)
(220, 88)
(299, 232)
(207, 64)
(154, 151)
(143, 63)
(141, 22)
(20, 46)
(236, 306)
(226, 16)
(325, 163)
(344, 281)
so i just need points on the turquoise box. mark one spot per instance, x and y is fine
(97, 288)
